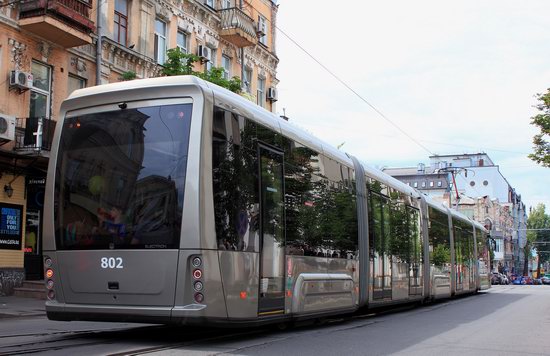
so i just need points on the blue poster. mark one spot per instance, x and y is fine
(11, 226)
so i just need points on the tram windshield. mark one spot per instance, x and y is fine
(120, 178)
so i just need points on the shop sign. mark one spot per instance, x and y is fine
(11, 227)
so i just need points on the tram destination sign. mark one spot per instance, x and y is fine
(11, 227)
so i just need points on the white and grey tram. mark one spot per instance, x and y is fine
(172, 200)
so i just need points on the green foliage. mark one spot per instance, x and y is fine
(181, 63)
(538, 219)
(541, 143)
(441, 255)
(129, 75)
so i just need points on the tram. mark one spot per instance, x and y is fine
(172, 200)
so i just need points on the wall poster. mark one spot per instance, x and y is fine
(11, 226)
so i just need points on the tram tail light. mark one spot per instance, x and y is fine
(49, 273)
(196, 262)
(199, 297)
(243, 295)
(197, 282)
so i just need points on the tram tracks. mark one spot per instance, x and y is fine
(60, 340)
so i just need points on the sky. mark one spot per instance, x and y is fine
(457, 77)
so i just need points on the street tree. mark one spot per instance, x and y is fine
(541, 141)
(181, 63)
(538, 235)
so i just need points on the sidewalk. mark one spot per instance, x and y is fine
(18, 307)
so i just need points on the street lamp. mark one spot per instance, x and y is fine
(8, 190)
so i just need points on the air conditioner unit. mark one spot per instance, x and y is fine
(272, 94)
(21, 80)
(203, 52)
(7, 128)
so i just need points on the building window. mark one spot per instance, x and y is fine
(226, 4)
(423, 184)
(182, 41)
(160, 41)
(260, 92)
(76, 83)
(472, 183)
(211, 59)
(41, 90)
(121, 21)
(209, 3)
(247, 80)
(485, 183)
(432, 184)
(415, 184)
(262, 29)
(226, 65)
(439, 184)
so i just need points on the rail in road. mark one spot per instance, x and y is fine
(154, 339)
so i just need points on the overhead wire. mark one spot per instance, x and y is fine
(345, 84)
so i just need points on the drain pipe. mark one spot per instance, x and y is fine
(98, 49)
(242, 57)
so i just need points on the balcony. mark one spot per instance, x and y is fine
(64, 22)
(34, 135)
(237, 27)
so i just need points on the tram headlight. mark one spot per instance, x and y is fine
(51, 295)
(49, 273)
(197, 274)
(48, 262)
(199, 297)
(196, 262)
(198, 286)
(49, 284)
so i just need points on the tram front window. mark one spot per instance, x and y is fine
(120, 178)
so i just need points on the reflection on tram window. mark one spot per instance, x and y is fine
(439, 243)
(394, 238)
(235, 183)
(320, 207)
(120, 178)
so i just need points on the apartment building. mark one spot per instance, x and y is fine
(473, 184)
(49, 48)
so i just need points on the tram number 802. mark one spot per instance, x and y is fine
(111, 262)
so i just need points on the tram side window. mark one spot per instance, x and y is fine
(459, 248)
(438, 233)
(338, 214)
(302, 190)
(267, 135)
(235, 183)
(394, 229)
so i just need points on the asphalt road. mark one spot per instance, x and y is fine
(507, 320)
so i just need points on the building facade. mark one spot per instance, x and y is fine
(473, 184)
(50, 48)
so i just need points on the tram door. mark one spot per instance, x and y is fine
(272, 241)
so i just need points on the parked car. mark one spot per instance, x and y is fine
(537, 281)
(518, 281)
(545, 280)
(504, 279)
(499, 278)
(495, 278)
